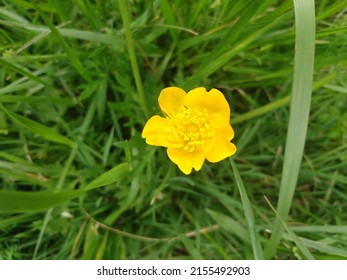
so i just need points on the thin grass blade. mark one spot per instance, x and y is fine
(247, 208)
(123, 5)
(76, 63)
(294, 237)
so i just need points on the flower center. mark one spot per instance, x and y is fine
(192, 127)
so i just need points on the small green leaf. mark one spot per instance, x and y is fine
(109, 177)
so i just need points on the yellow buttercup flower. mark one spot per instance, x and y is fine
(195, 127)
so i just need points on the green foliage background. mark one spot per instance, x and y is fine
(79, 79)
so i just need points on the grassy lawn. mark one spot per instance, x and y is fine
(80, 79)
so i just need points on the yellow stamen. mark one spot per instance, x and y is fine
(191, 127)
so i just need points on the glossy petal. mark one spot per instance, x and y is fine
(187, 160)
(196, 127)
(221, 147)
(213, 101)
(171, 99)
(157, 134)
(223, 126)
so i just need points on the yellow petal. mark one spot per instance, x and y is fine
(157, 134)
(187, 160)
(213, 101)
(171, 99)
(221, 148)
(222, 125)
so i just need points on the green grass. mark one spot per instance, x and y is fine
(299, 113)
(78, 81)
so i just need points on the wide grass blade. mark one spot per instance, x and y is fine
(299, 113)
(247, 208)
(20, 201)
(44, 131)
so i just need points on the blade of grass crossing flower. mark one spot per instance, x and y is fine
(247, 208)
(123, 6)
(299, 112)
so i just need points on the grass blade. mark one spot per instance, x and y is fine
(223, 52)
(43, 131)
(76, 63)
(296, 239)
(109, 177)
(230, 225)
(123, 5)
(299, 113)
(21, 70)
(21, 201)
(247, 208)
(36, 99)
